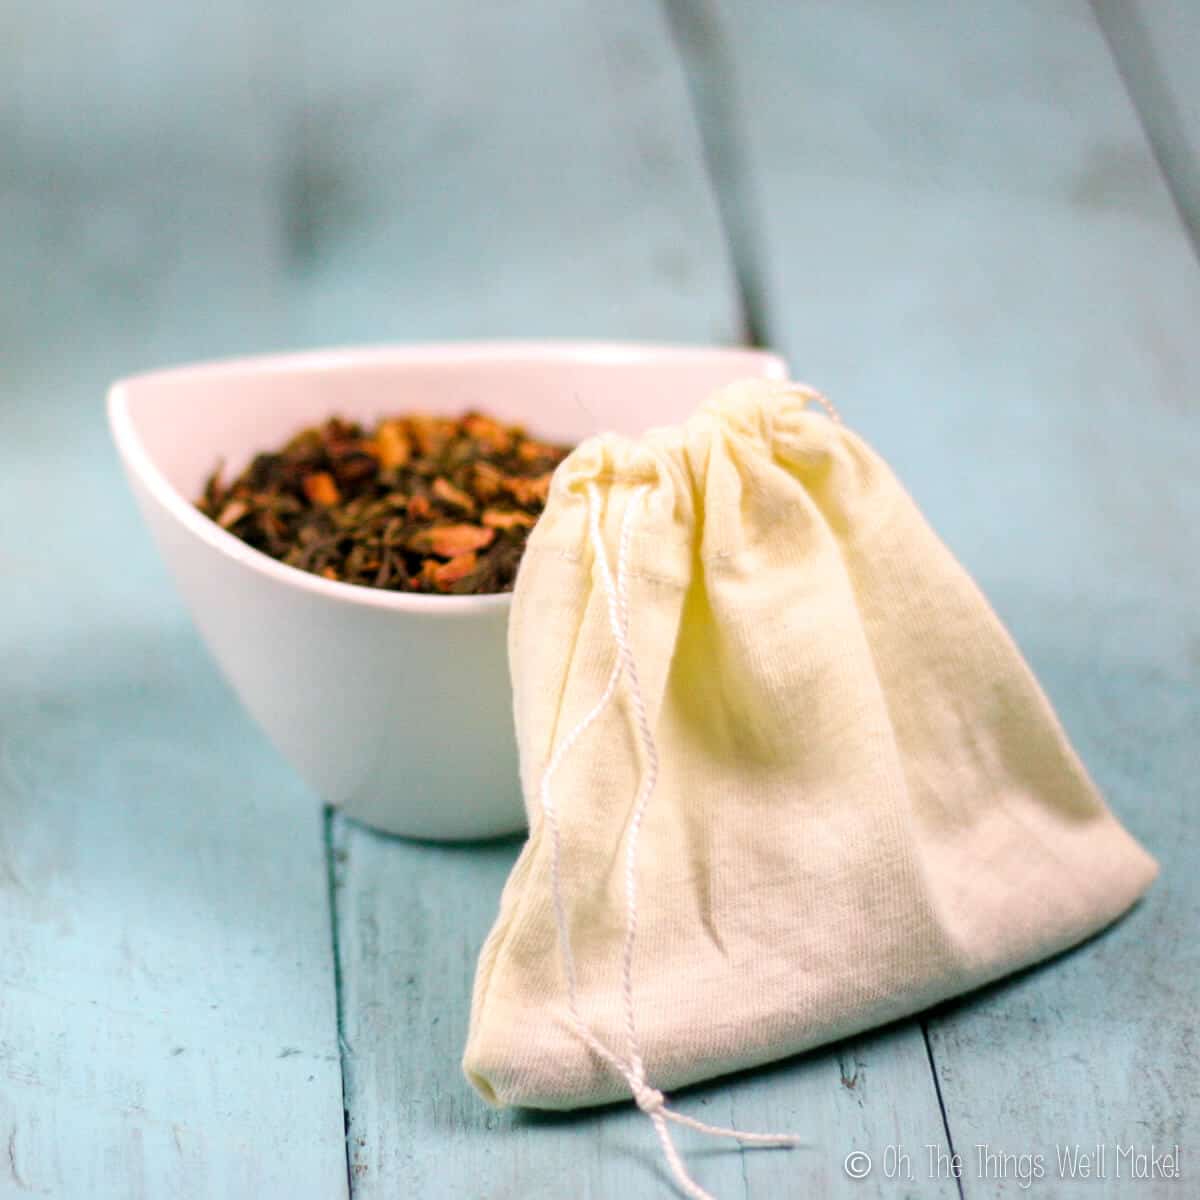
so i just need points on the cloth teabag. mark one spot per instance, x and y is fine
(787, 776)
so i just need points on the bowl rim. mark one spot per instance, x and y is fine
(129, 443)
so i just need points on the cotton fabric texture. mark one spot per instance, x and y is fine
(864, 802)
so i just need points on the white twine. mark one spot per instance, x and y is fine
(649, 1099)
(803, 392)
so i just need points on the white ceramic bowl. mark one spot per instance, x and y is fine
(396, 707)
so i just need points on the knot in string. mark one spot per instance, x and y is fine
(649, 1099)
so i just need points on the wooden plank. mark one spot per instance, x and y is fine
(411, 918)
(967, 244)
(167, 1012)
(463, 169)
(1156, 46)
(167, 1001)
(139, 188)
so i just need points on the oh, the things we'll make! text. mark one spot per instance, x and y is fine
(1026, 1168)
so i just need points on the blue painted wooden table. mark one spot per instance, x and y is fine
(948, 217)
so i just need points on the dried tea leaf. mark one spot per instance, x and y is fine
(320, 488)
(458, 568)
(350, 468)
(445, 491)
(494, 438)
(385, 507)
(393, 445)
(528, 491)
(232, 513)
(487, 481)
(532, 452)
(432, 434)
(495, 518)
(449, 541)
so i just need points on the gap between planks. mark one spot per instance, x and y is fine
(707, 63)
(335, 854)
(941, 1102)
(1147, 76)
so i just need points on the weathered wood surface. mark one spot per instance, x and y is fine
(467, 170)
(966, 242)
(411, 919)
(167, 999)
(961, 236)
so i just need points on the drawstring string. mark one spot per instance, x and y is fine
(649, 1099)
(801, 391)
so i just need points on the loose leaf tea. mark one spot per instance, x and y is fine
(417, 504)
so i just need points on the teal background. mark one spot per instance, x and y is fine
(967, 223)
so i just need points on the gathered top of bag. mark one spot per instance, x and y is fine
(749, 421)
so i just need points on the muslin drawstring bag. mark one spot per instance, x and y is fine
(787, 776)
